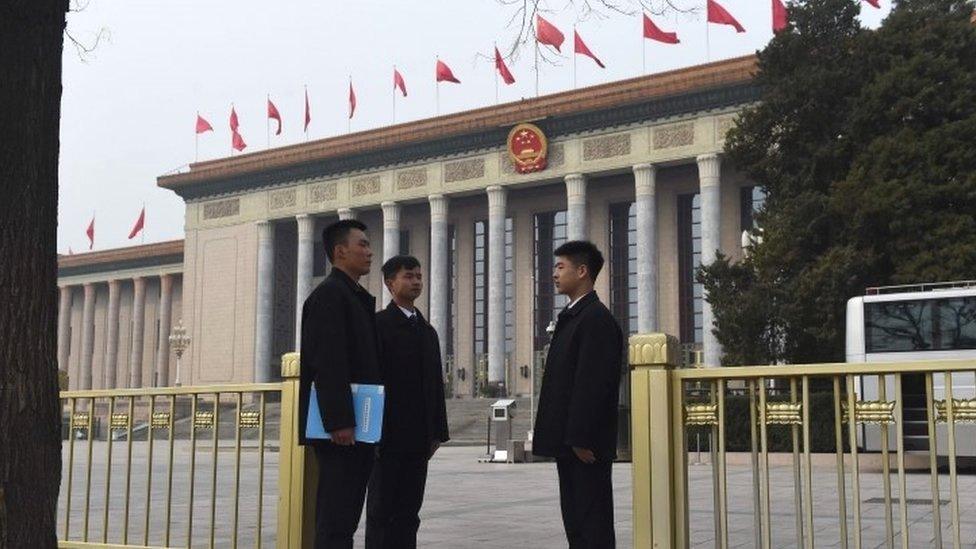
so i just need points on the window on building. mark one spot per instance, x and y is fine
(481, 287)
(623, 265)
(550, 233)
(751, 200)
(404, 242)
(689, 259)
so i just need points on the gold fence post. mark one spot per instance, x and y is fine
(297, 468)
(659, 457)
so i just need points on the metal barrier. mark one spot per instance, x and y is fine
(663, 414)
(165, 509)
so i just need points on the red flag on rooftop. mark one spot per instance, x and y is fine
(233, 119)
(580, 48)
(140, 224)
(203, 125)
(352, 100)
(874, 3)
(237, 142)
(444, 73)
(780, 19)
(502, 68)
(308, 112)
(273, 114)
(652, 32)
(91, 233)
(718, 14)
(547, 33)
(399, 82)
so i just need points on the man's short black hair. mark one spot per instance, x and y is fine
(582, 252)
(397, 263)
(337, 233)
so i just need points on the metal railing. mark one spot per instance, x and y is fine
(158, 490)
(664, 413)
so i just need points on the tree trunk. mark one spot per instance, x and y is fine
(31, 39)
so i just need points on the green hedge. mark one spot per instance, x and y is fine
(779, 437)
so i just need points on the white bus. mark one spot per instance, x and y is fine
(913, 323)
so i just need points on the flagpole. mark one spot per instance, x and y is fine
(349, 120)
(196, 142)
(267, 122)
(437, 92)
(143, 231)
(537, 67)
(394, 93)
(708, 51)
(496, 77)
(306, 112)
(574, 57)
(643, 52)
(232, 132)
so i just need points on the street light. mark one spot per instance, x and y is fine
(179, 341)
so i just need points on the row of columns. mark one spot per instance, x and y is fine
(112, 359)
(576, 205)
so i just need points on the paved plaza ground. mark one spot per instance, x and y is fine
(471, 504)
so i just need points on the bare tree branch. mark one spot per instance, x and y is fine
(85, 49)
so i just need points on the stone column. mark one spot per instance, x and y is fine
(112, 337)
(346, 213)
(496, 284)
(576, 207)
(646, 206)
(265, 299)
(709, 168)
(64, 329)
(391, 239)
(165, 323)
(306, 261)
(87, 337)
(138, 331)
(439, 286)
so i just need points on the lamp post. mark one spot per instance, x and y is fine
(179, 341)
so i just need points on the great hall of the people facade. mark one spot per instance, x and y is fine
(635, 166)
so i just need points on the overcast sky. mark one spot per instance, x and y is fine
(129, 108)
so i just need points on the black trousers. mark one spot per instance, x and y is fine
(343, 475)
(586, 499)
(396, 493)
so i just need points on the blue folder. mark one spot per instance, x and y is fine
(367, 400)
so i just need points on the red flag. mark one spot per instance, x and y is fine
(874, 3)
(718, 14)
(780, 19)
(237, 142)
(203, 125)
(652, 32)
(233, 119)
(398, 82)
(547, 33)
(308, 111)
(91, 233)
(444, 73)
(275, 115)
(352, 100)
(580, 47)
(140, 224)
(502, 68)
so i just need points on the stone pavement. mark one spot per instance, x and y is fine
(470, 504)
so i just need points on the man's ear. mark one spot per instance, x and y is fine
(388, 284)
(582, 270)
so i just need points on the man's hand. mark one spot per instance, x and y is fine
(584, 454)
(433, 449)
(344, 437)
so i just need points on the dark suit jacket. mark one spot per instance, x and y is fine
(339, 347)
(580, 386)
(415, 415)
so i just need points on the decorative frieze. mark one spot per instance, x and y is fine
(222, 208)
(607, 146)
(366, 185)
(669, 137)
(285, 198)
(322, 192)
(462, 170)
(722, 127)
(410, 179)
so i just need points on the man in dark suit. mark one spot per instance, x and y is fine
(339, 347)
(577, 418)
(414, 420)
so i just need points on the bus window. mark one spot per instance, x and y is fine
(920, 325)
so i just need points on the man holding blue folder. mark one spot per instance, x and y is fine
(339, 348)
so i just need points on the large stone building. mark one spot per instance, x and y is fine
(634, 166)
